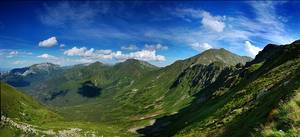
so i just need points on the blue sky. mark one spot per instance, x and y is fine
(68, 32)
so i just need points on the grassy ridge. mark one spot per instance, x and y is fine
(16, 105)
(253, 103)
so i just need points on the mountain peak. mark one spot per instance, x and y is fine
(96, 63)
(41, 67)
(44, 65)
(136, 63)
(132, 60)
(273, 52)
(34, 68)
(216, 51)
(296, 41)
(139, 62)
(218, 55)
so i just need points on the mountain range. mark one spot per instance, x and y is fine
(215, 93)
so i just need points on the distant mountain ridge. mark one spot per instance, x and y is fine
(33, 79)
(181, 80)
(35, 68)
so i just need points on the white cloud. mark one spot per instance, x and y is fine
(9, 53)
(266, 25)
(201, 46)
(62, 45)
(89, 53)
(155, 47)
(83, 51)
(214, 23)
(12, 54)
(92, 54)
(48, 42)
(130, 48)
(47, 56)
(103, 51)
(251, 49)
(147, 55)
(149, 47)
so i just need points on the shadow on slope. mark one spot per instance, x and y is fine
(88, 89)
(237, 103)
(18, 82)
(170, 125)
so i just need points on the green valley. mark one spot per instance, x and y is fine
(215, 93)
(150, 68)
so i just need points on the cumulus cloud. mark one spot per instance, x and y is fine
(146, 55)
(130, 48)
(48, 42)
(155, 47)
(83, 51)
(251, 49)
(201, 46)
(89, 53)
(214, 23)
(47, 56)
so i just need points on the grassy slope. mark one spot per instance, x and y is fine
(15, 104)
(133, 96)
(284, 120)
(25, 111)
(105, 109)
(154, 91)
(138, 103)
(244, 108)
